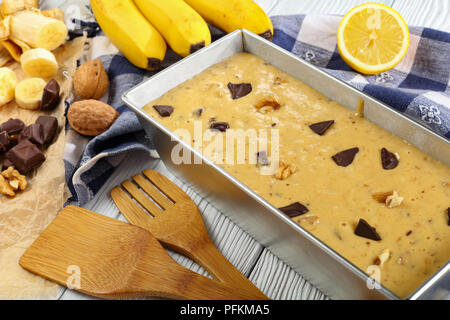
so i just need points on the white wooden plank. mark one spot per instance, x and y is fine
(283, 7)
(431, 13)
(280, 282)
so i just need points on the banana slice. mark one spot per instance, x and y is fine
(29, 93)
(39, 63)
(8, 83)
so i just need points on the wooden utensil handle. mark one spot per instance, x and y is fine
(202, 288)
(209, 257)
(178, 282)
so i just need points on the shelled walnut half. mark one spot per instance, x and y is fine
(12, 181)
(285, 171)
(390, 198)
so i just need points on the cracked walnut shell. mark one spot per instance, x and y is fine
(90, 80)
(91, 117)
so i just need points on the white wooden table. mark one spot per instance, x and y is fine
(266, 271)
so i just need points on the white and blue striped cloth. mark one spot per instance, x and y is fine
(418, 87)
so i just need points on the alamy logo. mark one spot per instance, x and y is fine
(74, 280)
(373, 281)
(234, 146)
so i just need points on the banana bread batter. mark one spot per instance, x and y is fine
(337, 196)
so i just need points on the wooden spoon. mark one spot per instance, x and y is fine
(174, 219)
(115, 260)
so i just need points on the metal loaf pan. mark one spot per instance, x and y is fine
(313, 259)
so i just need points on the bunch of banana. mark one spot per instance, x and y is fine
(139, 27)
(130, 32)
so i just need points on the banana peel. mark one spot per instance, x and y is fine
(130, 32)
(181, 26)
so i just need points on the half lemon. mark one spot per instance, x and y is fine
(372, 38)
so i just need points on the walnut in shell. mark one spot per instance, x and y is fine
(91, 117)
(90, 80)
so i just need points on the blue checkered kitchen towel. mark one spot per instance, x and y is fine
(418, 87)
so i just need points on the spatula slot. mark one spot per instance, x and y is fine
(153, 191)
(133, 198)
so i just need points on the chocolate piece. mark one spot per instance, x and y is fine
(266, 35)
(34, 133)
(50, 96)
(49, 127)
(262, 159)
(6, 164)
(344, 158)
(12, 126)
(239, 90)
(321, 127)
(164, 111)
(198, 113)
(388, 159)
(294, 209)
(448, 215)
(25, 156)
(4, 141)
(13, 140)
(196, 46)
(365, 230)
(221, 126)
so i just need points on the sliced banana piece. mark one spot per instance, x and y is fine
(37, 30)
(8, 83)
(29, 93)
(39, 63)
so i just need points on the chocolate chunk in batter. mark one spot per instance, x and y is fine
(294, 209)
(221, 126)
(365, 230)
(388, 159)
(239, 90)
(321, 127)
(345, 158)
(198, 112)
(164, 111)
(262, 158)
(448, 215)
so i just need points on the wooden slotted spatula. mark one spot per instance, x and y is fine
(177, 223)
(116, 260)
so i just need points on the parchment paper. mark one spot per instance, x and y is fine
(24, 217)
